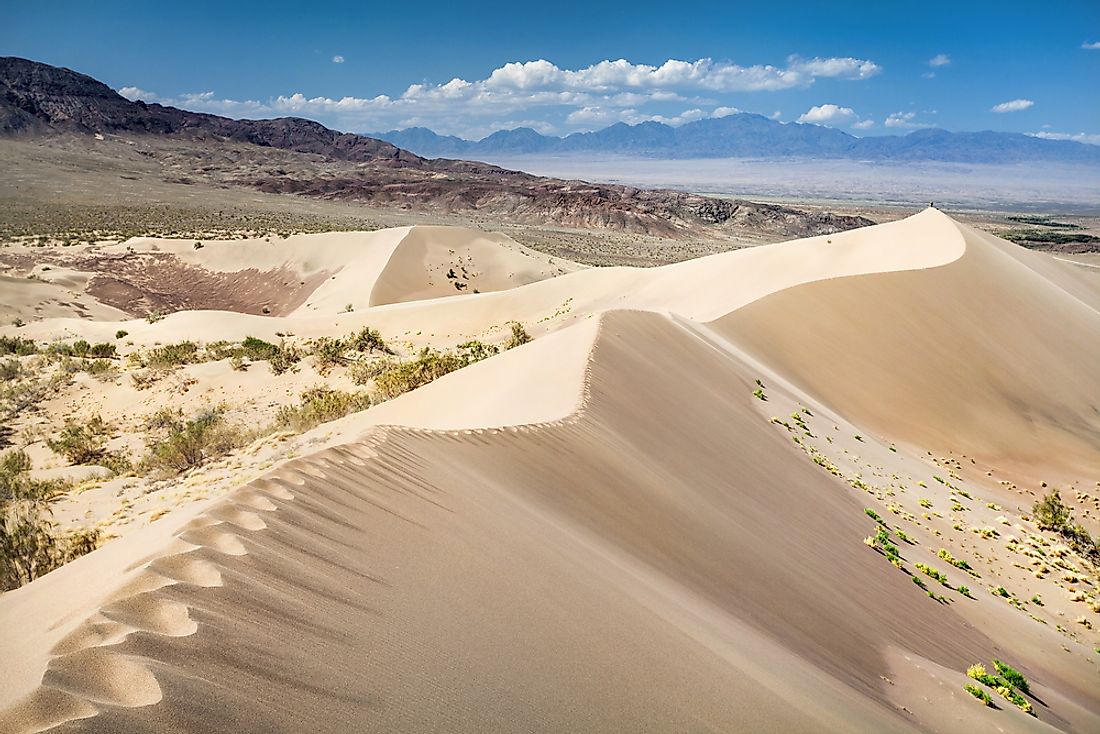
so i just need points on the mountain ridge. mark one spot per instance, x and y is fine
(750, 135)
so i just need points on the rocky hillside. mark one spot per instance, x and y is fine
(41, 100)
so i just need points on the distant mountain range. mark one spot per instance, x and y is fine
(291, 155)
(745, 135)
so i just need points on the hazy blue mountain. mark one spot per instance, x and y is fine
(746, 135)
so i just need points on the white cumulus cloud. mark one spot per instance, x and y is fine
(1091, 45)
(820, 114)
(337, 59)
(939, 60)
(675, 91)
(1014, 105)
(904, 120)
(864, 124)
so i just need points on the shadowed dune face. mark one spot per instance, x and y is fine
(609, 573)
(985, 356)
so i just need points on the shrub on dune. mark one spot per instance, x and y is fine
(30, 542)
(320, 405)
(82, 443)
(177, 445)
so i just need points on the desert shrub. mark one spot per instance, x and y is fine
(978, 693)
(176, 445)
(100, 367)
(329, 353)
(82, 443)
(363, 372)
(171, 355)
(284, 358)
(17, 345)
(1080, 540)
(1050, 512)
(31, 545)
(980, 674)
(519, 336)
(121, 333)
(10, 370)
(102, 350)
(16, 483)
(932, 572)
(1012, 676)
(400, 377)
(475, 351)
(956, 562)
(368, 340)
(320, 405)
(1015, 698)
(257, 349)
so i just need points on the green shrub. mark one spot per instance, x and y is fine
(329, 353)
(10, 369)
(1012, 676)
(172, 355)
(31, 546)
(320, 405)
(82, 443)
(1012, 696)
(475, 351)
(368, 340)
(1050, 512)
(16, 484)
(121, 333)
(363, 372)
(400, 377)
(956, 562)
(17, 345)
(519, 336)
(978, 693)
(102, 350)
(932, 572)
(176, 445)
(257, 349)
(980, 674)
(284, 358)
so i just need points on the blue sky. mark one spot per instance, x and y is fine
(469, 68)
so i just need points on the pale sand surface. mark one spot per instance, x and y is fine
(604, 530)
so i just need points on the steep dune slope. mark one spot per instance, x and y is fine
(984, 356)
(476, 581)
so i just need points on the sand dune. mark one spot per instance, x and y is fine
(605, 530)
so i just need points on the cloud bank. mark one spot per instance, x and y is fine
(609, 91)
